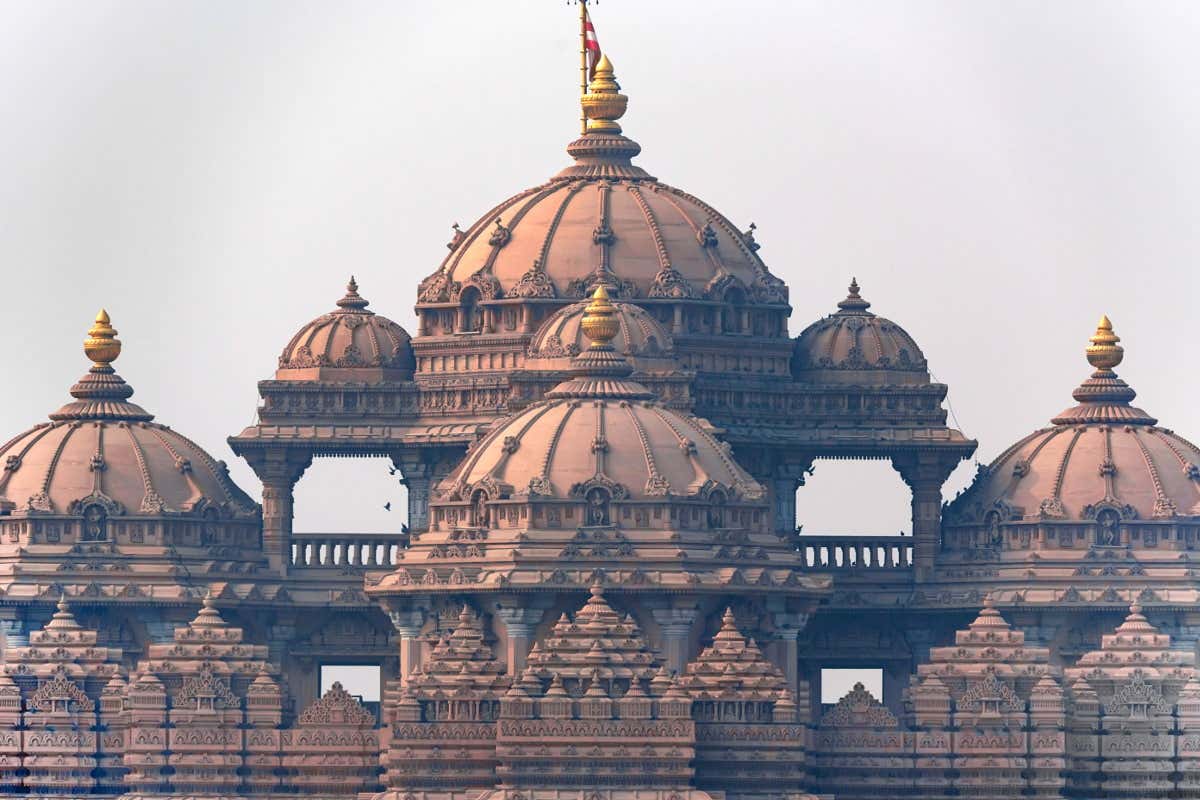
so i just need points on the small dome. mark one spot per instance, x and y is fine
(854, 346)
(600, 429)
(101, 450)
(1101, 458)
(349, 344)
(640, 338)
(604, 219)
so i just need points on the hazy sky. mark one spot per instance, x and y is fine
(996, 175)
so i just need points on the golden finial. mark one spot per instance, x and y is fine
(600, 318)
(604, 104)
(1104, 352)
(102, 345)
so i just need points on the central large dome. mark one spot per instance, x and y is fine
(603, 219)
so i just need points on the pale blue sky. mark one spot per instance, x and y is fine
(996, 174)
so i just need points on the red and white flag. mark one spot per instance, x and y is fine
(590, 43)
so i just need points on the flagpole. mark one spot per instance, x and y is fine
(583, 62)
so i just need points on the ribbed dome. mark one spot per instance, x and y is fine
(349, 344)
(640, 338)
(603, 218)
(600, 429)
(102, 450)
(1102, 454)
(857, 347)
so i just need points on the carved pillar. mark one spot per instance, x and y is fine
(925, 472)
(675, 625)
(278, 470)
(418, 479)
(786, 479)
(786, 647)
(279, 638)
(408, 626)
(519, 624)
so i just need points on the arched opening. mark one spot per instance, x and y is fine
(471, 315)
(598, 506)
(348, 511)
(855, 513)
(480, 513)
(95, 523)
(732, 317)
(716, 509)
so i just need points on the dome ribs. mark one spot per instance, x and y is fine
(660, 245)
(98, 462)
(68, 431)
(151, 502)
(9, 471)
(498, 471)
(710, 252)
(722, 221)
(1189, 468)
(183, 465)
(1055, 507)
(1108, 467)
(700, 476)
(654, 476)
(454, 257)
(603, 234)
(1017, 473)
(540, 194)
(552, 447)
(1164, 507)
(600, 441)
(544, 251)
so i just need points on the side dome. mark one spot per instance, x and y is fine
(1102, 461)
(102, 457)
(854, 346)
(348, 344)
(603, 219)
(644, 342)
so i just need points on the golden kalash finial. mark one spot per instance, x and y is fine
(102, 345)
(600, 318)
(604, 104)
(1104, 352)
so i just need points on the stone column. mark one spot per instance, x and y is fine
(408, 626)
(418, 479)
(786, 478)
(278, 469)
(279, 637)
(675, 625)
(925, 472)
(519, 624)
(786, 649)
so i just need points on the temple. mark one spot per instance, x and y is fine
(602, 591)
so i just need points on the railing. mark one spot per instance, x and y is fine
(846, 553)
(342, 550)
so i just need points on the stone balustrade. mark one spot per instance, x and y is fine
(341, 550)
(848, 553)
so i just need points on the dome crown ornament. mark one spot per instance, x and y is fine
(854, 303)
(1104, 352)
(102, 393)
(604, 104)
(600, 319)
(353, 301)
(102, 345)
(1104, 397)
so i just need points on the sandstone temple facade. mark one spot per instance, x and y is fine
(602, 592)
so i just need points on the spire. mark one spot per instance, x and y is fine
(353, 302)
(602, 151)
(102, 393)
(854, 303)
(1104, 397)
(600, 369)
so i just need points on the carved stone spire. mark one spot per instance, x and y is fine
(353, 301)
(854, 303)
